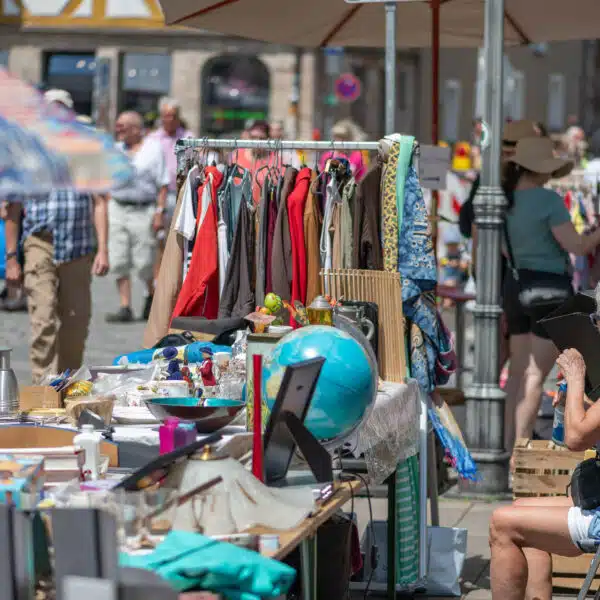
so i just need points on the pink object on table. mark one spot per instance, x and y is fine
(166, 436)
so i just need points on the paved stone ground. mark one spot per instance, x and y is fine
(105, 340)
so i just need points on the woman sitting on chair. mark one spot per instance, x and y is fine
(525, 534)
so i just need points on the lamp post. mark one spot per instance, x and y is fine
(485, 400)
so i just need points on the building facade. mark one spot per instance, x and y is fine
(113, 55)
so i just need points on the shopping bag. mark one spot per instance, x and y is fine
(447, 547)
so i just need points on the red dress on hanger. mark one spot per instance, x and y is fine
(199, 295)
(296, 204)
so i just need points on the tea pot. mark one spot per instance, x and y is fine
(356, 314)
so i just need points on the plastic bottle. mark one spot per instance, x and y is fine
(558, 425)
(89, 441)
(166, 436)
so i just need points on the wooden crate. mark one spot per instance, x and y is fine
(544, 469)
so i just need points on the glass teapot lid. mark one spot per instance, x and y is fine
(320, 303)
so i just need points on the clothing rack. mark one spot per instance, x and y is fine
(275, 146)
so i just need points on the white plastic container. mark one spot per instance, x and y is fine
(89, 441)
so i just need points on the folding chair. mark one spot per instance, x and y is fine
(589, 578)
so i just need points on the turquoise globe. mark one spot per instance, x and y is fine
(346, 387)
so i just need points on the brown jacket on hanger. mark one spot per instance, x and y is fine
(313, 221)
(281, 258)
(168, 284)
(367, 253)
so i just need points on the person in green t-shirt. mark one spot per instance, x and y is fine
(541, 236)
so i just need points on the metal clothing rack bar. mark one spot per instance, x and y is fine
(274, 145)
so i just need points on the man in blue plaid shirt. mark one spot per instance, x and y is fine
(65, 241)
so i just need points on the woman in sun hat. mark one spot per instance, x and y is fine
(540, 236)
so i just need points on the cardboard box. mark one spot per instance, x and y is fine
(39, 396)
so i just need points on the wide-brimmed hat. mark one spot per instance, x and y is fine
(517, 130)
(536, 154)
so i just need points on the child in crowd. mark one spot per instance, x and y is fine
(454, 265)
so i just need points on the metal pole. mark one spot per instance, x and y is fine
(435, 110)
(485, 400)
(390, 68)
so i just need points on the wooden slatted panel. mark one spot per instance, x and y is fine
(383, 289)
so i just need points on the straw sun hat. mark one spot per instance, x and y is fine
(536, 154)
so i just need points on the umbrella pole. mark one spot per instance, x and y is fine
(485, 400)
(390, 68)
(435, 109)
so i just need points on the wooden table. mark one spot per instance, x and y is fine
(305, 536)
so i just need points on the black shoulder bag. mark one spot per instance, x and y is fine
(585, 484)
(538, 289)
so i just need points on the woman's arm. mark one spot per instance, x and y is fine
(574, 243)
(582, 428)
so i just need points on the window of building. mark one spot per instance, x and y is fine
(235, 89)
(451, 98)
(557, 98)
(145, 78)
(73, 72)
(514, 94)
(4, 54)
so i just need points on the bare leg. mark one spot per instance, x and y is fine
(520, 347)
(539, 563)
(520, 529)
(542, 359)
(124, 287)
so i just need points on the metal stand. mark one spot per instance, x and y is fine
(485, 400)
(390, 67)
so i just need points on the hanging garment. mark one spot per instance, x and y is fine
(346, 223)
(272, 217)
(281, 258)
(332, 197)
(223, 251)
(185, 222)
(335, 231)
(390, 211)
(168, 283)
(262, 244)
(199, 296)
(237, 299)
(313, 220)
(367, 244)
(296, 205)
(237, 190)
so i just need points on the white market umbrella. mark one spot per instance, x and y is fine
(315, 23)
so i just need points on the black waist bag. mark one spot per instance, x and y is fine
(585, 484)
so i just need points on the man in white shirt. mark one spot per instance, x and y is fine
(137, 214)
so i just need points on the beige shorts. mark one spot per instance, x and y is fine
(131, 241)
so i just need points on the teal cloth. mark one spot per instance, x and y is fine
(192, 561)
(530, 223)
(404, 160)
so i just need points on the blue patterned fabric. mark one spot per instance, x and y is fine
(416, 257)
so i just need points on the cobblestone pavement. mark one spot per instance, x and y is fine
(104, 342)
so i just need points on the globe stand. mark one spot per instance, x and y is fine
(286, 431)
(318, 459)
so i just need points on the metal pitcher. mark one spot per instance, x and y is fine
(9, 388)
(356, 314)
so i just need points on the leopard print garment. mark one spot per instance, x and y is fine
(390, 211)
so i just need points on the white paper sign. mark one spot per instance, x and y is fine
(434, 164)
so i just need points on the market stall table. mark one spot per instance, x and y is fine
(305, 536)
